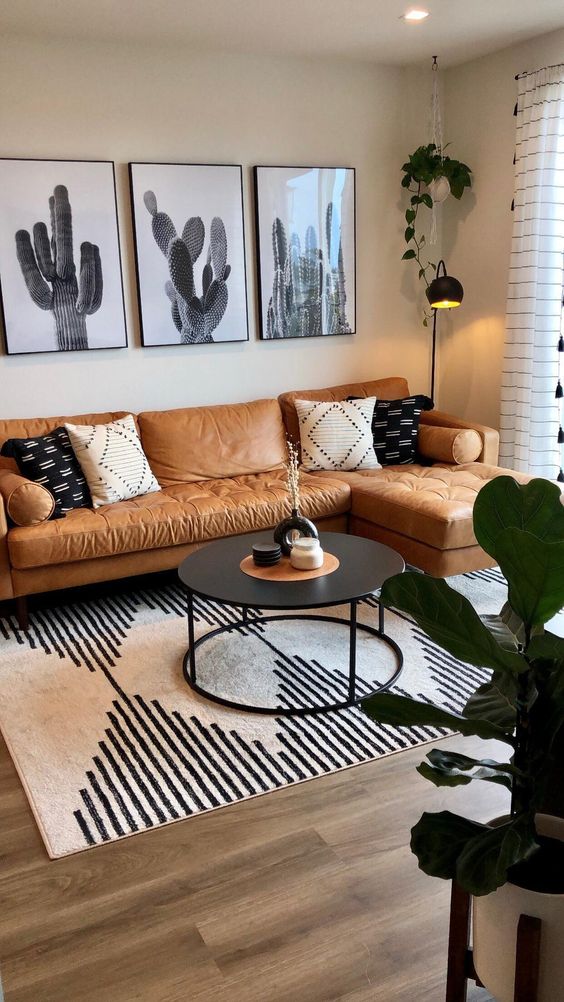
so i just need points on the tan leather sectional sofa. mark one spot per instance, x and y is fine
(221, 473)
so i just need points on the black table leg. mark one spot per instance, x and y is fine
(191, 644)
(381, 611)
(352, 654)
(189, 662)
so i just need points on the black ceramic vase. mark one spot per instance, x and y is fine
(291, 528)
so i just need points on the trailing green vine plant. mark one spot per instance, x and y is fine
(426, 165)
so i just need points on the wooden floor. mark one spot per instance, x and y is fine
(309, 894)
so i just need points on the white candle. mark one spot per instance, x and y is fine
(306, 554)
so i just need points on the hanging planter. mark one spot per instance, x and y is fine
(439, 189)
(431, 177)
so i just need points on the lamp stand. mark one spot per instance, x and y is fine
(433, 355)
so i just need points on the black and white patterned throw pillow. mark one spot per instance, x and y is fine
(49, 460)
(395, 425)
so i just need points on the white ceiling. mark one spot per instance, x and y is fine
(457, 30)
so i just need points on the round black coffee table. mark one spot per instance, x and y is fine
(213, 572)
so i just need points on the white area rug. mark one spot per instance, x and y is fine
(109, 740)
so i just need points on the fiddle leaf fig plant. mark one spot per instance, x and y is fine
(522, 703)
(426, 165)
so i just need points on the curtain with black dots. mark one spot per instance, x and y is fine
(532, 396)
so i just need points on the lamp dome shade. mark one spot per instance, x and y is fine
(444, 292)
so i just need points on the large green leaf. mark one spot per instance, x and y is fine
(534, 570)
(475, 855)
(446, 768)
(450, 759)
(485, 859)
(450, 620)
(503, 503)
(390, 708)
(547, 646)
(453, 777)
(438, 840)
(495, 701)
(514, 623)
(501, 631)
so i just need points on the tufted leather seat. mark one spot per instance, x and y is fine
(432, 504)
(182, 513)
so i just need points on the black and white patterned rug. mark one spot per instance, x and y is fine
(109, 741)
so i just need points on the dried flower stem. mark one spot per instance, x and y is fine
(293, 475)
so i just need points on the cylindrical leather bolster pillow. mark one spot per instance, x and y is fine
(26, 502)
(449, 445)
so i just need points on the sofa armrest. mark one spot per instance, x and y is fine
(6, 587)
(489, 436)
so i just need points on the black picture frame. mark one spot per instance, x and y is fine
(141, 273)
(110, 312)
(264, 243)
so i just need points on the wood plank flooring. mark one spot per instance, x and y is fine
(309, 894)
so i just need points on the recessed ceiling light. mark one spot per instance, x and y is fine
(415, 15)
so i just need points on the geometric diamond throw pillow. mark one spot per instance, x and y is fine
(337, 434)
(112, 459)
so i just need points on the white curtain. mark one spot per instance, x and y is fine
(530, 410)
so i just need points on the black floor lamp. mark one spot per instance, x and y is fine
(444, 293)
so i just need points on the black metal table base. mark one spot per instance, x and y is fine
(353, 697)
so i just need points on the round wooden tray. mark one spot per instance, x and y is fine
(283, 571)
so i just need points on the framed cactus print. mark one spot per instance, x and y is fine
(190, 253)
(306, 223)
(60, 268)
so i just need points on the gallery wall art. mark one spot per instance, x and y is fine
(305, 219)
(190, 252)
(60, 269)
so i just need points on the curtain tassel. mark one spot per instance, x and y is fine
(559, 391)
(560, 436)
(561, 343)
(560, 477)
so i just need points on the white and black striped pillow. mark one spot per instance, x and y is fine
(337, 434)
(395, 425)
(49, 460)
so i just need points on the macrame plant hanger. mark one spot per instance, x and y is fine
(437, 139)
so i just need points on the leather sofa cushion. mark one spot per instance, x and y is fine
(433, 504)
(27, 503)
(384, 389)
(185, 513)
(190, 444)
(449, 445)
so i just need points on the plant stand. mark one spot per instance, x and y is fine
(461, 962)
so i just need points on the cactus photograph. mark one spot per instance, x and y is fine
(59, 256)
(190, 253)
(306, 243)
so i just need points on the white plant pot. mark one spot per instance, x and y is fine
(439, 189)
(494, 924)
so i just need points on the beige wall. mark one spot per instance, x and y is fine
(64, 99)
(61, 99)
(479, 101)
